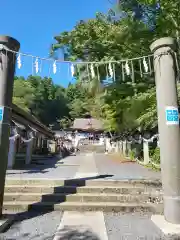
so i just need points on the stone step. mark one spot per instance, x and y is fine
(82, 206)
(77, 189)
(85, 182)
(82, 197)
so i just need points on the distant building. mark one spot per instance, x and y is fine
(59, 133)
(88, 125)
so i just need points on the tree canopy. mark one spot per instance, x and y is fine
(39, 96)
(124, 32)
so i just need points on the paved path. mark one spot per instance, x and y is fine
(123, 170)
(51, 168)
(84, 165)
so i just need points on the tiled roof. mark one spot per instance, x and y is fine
(87, 124)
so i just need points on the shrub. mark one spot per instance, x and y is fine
(155, 155)
(132, 154)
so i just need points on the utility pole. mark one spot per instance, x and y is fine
(164, 51)
(7, 69)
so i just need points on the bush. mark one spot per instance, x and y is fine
(132, 154)
(137, 150)
(155, 155)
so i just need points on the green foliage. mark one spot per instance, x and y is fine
(42, 98)
(102, 39)
(132, 154)
(168, 15)
(155, 155)
(24, 93)
(121, 105)
(52, 104)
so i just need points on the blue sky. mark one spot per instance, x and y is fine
(34, 23)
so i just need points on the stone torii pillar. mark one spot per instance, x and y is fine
(164, 51)
(7, 69)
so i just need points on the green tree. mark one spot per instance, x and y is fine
(40, 96)
(122, 105)
(101, 39)
(23, 94)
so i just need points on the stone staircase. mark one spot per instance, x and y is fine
(82, 195)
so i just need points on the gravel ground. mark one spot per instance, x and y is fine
(34, 227)
(123, 170)
(132, 226)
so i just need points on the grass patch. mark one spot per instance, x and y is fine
(153, 167)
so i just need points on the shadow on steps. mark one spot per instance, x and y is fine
(36, 209)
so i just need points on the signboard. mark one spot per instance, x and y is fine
(1, 113)
(172, 116)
